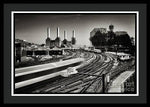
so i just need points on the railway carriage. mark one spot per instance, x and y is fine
(124, 57)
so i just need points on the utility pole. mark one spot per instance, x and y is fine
(103, 79)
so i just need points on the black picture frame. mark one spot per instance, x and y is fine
(141, 8)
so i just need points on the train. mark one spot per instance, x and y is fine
(124, 57)
(93, 50)
(30, 75)
(121, 56)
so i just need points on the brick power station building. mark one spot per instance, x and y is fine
(57, 42)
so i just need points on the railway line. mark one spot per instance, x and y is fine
(97, 66)
(62, 80)
(89, 76)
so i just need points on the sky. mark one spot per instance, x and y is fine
(33, 27)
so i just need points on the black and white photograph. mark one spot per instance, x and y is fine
(74, 53)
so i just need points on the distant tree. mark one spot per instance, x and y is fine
(132, 40)
(123, 40)
(98, 39)
(111, 42)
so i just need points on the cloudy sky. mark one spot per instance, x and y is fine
(33, 27)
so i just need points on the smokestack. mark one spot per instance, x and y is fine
(64, 34)
(73, 34)
(48, 32)
(57, 31)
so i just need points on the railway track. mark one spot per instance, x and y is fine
(59, 82)
(96, 66)
(89, 76)
(98, 72)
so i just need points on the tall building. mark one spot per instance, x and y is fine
(111, 28)
(119, 38)
(111, 34)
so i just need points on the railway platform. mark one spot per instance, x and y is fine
(120, 83)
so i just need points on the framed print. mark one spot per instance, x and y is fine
(69, 53)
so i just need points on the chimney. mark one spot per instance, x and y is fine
(58, 32)
(64, 34)
(48, 32)
(73, 34)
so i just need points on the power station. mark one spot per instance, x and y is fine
(57, 42)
